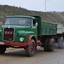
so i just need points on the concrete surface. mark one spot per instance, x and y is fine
(18, 56)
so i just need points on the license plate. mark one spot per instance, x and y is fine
(1, 43)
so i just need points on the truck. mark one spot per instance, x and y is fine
(27, 32)
(60, 35)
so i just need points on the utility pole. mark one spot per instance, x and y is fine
(45, 5)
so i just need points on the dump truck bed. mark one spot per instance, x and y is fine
(48, 28)
(45, 28)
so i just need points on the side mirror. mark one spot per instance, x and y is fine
(36, 24)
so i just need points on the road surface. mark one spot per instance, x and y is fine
(18, 56)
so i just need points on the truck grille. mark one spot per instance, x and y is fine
(8, 34)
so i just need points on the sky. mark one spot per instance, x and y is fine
(36, 5)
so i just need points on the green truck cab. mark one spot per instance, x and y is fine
(27, 32)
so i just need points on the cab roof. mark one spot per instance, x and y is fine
(20, 16)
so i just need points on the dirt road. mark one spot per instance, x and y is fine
(41, 57)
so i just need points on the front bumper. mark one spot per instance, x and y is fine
(14, 44)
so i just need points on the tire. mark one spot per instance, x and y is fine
(2, 49)
(45, 45)
(31, 48)
(60, 42)
(49, 45)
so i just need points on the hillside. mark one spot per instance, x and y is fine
(56, 17)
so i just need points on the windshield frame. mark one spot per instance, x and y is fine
(30, 20)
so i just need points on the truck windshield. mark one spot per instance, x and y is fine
(18, 21)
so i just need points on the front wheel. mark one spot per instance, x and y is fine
(2, 49)
(31, 48)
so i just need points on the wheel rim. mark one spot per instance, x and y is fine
(32, 48)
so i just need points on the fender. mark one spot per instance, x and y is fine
(29, 39)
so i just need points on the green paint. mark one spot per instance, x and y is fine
(21, 31)
(24, 31)
(48, 28)
(45, 28)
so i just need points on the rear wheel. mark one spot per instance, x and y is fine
(49, 45)
(60, 42)
(2, 49)
(31, 48)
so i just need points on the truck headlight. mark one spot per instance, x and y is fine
(21, 39)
